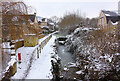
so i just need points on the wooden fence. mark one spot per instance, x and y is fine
(41, 46)
(38, 49)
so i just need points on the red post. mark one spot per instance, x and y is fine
(19, 57)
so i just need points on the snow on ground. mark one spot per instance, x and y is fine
(6, 45)
(79, 72)
(25, 57)
(41, 67)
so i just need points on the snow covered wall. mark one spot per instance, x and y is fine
(96, 52)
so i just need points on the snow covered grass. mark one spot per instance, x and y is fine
(10, 63)
(96, 49)
(79, 72)
(6, 45)
(25, 57)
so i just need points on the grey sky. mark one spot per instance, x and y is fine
(92, 8)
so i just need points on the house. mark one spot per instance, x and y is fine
(33, 18)
(108, 18)
(51, 26)
(42, 21)
(45, 23)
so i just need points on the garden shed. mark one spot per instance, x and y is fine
(30, 40)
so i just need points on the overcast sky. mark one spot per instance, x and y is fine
(92, 8)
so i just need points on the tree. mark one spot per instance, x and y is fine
(13, 16)
(16, 20)
(87, 22)
(55, 20)
(70, 21)
(93, 22)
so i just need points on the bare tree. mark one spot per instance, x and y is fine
(70, 21)
(93, 22)
(16, 20)
(14, 14)
(55, 20)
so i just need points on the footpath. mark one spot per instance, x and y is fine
(36, 61)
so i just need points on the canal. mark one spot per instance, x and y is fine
(66, 57)
(68, 65)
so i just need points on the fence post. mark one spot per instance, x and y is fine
(40, 48)
(41, 45)
(37, 52)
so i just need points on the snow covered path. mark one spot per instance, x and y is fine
(41, 67)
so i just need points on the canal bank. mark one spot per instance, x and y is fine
(69, 69)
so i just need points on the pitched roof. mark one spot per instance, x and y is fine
(110, 15)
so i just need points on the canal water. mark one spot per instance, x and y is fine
(67, 59)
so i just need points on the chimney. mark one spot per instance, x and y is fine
(119, 7)
(35, 13)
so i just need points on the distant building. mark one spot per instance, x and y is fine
(45, 23)
(51, 26)
(42, 21)
(108, 18)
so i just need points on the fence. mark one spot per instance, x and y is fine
(40, 46)
(38, 49)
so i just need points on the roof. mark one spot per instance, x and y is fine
(41, 19)
(114, 23)
(110, 15)
(44, 26)
(29, 34)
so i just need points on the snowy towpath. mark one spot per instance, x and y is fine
(41, 67)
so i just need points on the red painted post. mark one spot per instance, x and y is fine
(19, 57)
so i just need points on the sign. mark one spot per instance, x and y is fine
(101, 17)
